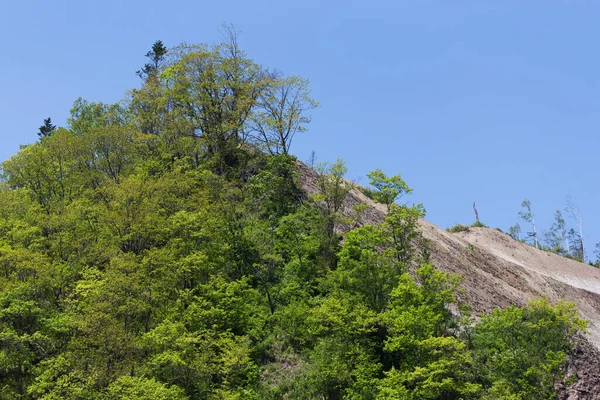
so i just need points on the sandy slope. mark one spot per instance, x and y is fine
(500, 271)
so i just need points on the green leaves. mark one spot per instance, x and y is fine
(521, 350)
(136, 388)
(363, 268)
(388, 189)
(150, 251)
(281, 112)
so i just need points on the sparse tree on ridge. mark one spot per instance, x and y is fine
(515, 231)
(577, 250)
(573, 210)
(597, 254)
(557, 235)
(528, 216)
(388, 189)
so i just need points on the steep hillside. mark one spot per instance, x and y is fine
(169, 247)
(499, 271)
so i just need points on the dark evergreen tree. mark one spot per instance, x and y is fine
(576, 250)
(156, 57)
(47, 128)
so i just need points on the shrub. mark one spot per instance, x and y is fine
(458, 228)
(478, 224)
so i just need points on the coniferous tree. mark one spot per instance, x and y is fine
(577, 249)
(46, 129)
(557, 235)
(156, 57)
(597, 253)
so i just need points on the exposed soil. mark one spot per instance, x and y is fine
(499, 271)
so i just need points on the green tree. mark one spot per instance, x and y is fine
(401, 221)
(557, 235)
(428, 362)
(281, 112)
(86, 115)
(363, 270)
(149, 250)
(388, 189)
(515, 231)
(579, 247)
(333, 189)
(528, 216)
(210, 94)
(520, 351)
(136, 388)
(576, 245)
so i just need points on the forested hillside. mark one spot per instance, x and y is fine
(163, 248)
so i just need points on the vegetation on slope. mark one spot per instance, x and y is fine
(162, 249)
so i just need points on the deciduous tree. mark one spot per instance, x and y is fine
(528, 216)
(282, 112)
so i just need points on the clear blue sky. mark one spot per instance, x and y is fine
(486, 101)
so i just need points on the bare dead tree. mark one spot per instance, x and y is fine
(476, 213)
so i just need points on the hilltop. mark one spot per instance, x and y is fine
(169, 247)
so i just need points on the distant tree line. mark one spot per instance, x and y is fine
(560, 238)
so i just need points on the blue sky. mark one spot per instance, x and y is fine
(486, 101)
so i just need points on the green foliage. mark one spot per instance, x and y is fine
(515, 232)
(281, 114)
(388, 189)
(478, 224)
(363, 270)
(135, 388)
(401, 221)
(429, 362)
(150, 250)
(527, 215)
(556, 238)
(87, 115)
(333, 189)
(520, 351)
(458, 228)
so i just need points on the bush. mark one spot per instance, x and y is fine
(478, 224)
(458, 228)
(572, 257)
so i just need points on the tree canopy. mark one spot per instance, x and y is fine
(162, 248)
